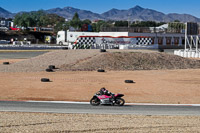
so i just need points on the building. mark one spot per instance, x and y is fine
(6, 23)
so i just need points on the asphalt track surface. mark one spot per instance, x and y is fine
(52, 107)
(20, 55)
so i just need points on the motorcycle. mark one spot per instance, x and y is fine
(98, 99)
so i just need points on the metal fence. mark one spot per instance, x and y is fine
(126, 29)
(140, 30)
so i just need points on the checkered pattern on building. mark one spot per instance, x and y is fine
(144, 41)
(84, 42)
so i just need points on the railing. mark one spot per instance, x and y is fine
(140, 30)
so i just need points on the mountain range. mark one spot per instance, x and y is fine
(132, 14)
(5, 14)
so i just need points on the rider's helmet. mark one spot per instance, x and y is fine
(103, 89)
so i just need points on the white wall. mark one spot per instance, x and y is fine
(114, 34)
(72, 36)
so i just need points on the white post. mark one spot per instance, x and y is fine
(186, 36)
(197, 41)
(191, 40)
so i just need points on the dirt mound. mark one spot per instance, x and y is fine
(132, 61)
(41, 62)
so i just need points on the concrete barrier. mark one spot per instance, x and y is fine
(197, 55)
(175, 52)
(193, 54)
(185, 54)
(189, 54)
(182, 53)
(179, 52)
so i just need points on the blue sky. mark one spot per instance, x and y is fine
(99, 6)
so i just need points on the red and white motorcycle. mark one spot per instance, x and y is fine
(98, 99)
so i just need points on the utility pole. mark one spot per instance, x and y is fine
(129, 20)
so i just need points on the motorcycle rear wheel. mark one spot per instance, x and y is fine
(94, 101)
(120, 101)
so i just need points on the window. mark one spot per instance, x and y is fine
(3, 23)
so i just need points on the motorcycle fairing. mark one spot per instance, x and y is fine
(104, 97)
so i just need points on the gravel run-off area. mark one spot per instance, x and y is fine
(13, 122)
(41, 62)
(91, 60)
(21, 81)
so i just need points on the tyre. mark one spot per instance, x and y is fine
(102, 50)
(100, 70)
(60, 43)
(94, 101)
(52, 67)
(49, 70)
(45, 80)
(6, 63)
(65, 48)
(120, 101)
(129, 81)
(160, 50)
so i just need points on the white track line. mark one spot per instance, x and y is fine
(150, 104)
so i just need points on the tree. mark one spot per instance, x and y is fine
(176, 27)
(61, 26)
(86, 21)
(121, 24)
(75, 22)
(94, 27)
(147, 24)
(37, 19)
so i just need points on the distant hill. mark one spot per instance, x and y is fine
(132, 14)
(68, 13)
(144, 14)
(5, 14)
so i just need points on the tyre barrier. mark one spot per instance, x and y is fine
(187, 53)
(52, 67)
(102, 50)
(65, 48)
(161, 50)
(100, 70)
(6, 63)
(49, 70)
(129, 81)
(45, 80)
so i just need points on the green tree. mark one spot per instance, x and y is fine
(121, 24)
(75, 22)
(146, 24)
(37, 19)
(61, 26)
(86, 21)
(176, 27)
(94, 27)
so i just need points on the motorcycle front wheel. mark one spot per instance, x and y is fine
(120, 101)
(94, 101)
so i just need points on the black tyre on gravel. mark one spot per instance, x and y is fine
(65, 48)
(6, 63)
(161, 50)
(49, 70)
(102, 50)
(101, 70)
(52, 67)
(45, 80)
(129, 81)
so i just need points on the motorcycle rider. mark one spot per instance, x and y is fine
(103, 91)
